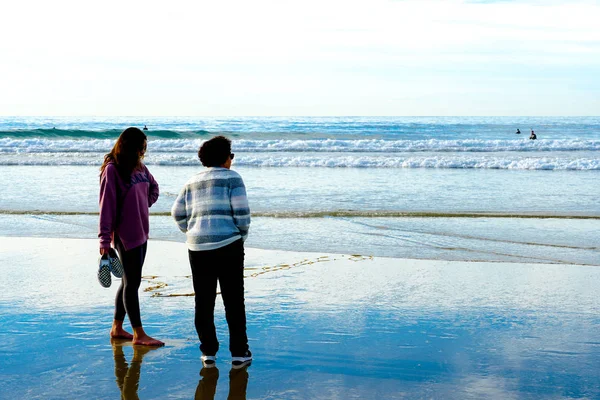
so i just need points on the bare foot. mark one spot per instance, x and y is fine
(120, 334)
(146, 340)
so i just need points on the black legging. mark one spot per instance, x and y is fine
(127, 301)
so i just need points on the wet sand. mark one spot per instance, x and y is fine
(320, 326)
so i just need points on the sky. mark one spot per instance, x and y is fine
(299, 58)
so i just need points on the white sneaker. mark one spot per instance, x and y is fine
(242, 361)
(208, 361)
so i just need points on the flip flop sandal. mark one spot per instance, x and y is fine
(104, 271)
(115, 264)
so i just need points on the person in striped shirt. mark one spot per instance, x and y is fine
(212, 210)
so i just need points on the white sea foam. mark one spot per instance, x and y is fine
(546, 163)
(430, 145)
(518, 153)
(39, 145)
(348, 160)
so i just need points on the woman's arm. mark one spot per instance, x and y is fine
(108, 206)
(239, 206)
(153, 192)
(179, 210)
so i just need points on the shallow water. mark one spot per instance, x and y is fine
(320, 327)
(532, 240)
(343, 213)
(289, 190)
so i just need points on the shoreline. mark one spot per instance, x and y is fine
(485, 239)
(170, 259)
(407, 259)
(351, 213)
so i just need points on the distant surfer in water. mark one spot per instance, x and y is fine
(145, 128)
(518, 132)
(532, 136)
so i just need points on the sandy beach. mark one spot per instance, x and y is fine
(320, 325)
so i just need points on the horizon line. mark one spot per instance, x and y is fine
(300, 116)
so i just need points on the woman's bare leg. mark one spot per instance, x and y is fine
(117, 331)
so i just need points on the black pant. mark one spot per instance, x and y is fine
(225, 264)
(127, 300)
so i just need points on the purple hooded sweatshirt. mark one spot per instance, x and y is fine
(124, 207)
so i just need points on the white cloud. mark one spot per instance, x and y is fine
(279, 57)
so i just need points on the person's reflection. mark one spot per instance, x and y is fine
(128, 376)
(238, 383)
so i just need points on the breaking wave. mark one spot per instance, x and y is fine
(512, 161)
(45, 145)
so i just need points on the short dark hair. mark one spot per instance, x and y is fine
(214, 152)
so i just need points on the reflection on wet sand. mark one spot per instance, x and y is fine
(128, 376)
(380, 329)
(207, 387)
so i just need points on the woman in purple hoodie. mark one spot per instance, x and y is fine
(127, 190)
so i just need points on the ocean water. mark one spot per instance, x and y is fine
(426, 142)
(456, 188)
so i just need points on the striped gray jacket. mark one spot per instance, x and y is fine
(212, 209)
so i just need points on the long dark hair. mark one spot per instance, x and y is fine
(127, 153)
